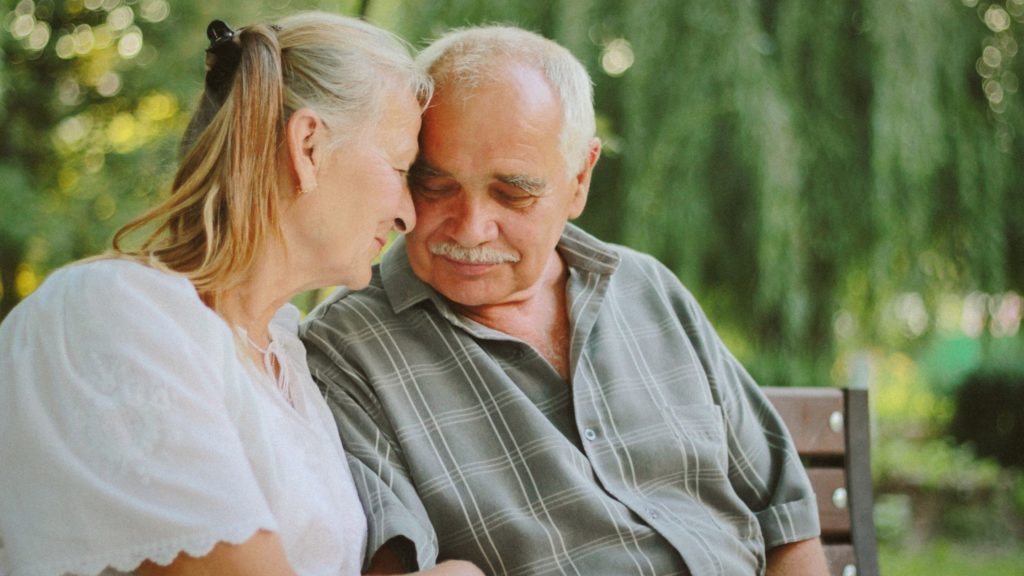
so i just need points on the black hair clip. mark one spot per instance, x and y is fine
(222, 59)
(218, 31)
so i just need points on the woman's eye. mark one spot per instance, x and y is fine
(433, 187)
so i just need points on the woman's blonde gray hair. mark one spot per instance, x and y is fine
(223, 201)
(470, 56)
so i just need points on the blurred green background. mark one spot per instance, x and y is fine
(841, 183)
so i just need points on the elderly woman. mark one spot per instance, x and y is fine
(156, 412)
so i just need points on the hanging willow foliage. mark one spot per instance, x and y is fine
(789, 160)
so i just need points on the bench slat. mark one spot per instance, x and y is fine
(835, 521)
(831, 430)
(810, 414)
(839, 556)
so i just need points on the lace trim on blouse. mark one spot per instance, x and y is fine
(161, 553)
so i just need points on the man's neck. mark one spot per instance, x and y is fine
(540, 318)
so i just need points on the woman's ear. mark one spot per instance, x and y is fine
(304, 134)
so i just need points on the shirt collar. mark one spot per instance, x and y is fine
(581, 252)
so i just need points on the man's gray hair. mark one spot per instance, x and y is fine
(471, 56)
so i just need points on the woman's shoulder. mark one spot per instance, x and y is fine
(106, 284)
(112, 275)
(104, 299)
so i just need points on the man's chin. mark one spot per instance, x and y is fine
(467, 295)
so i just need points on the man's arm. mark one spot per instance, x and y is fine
(395, 557)
(803, 558)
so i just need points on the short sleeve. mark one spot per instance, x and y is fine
(389, 496)
(116, 441)
(764, 467)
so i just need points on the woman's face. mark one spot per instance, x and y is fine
(339, 228)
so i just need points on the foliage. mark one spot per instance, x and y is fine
(800, 166)
(793, 161)
(926, 486)
(823, 175)
(932, 465)
(950, 559)
(990, 414)
(94, 95)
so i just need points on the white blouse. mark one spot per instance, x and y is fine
(132, 429)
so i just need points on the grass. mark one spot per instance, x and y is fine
(944, 558)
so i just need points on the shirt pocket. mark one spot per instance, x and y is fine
(700, 429)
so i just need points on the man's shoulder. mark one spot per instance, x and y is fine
(633, 262)
(586, 251)
(347, 307)
(642, 273)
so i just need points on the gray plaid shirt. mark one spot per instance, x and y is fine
(661, 456)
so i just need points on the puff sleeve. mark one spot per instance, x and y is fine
(117, 441)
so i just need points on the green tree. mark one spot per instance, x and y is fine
(790, 161)
(94, 95)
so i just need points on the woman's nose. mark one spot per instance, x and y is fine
(405, 221)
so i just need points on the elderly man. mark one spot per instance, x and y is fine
(514, 392)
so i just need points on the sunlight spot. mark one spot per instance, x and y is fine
(39, 37)
(121, 130)
(65, 47)
(25, 280)
(1005, 312)
(157, 107)
(155, 10)
(25, 7)
(130, 44)
(997, 19)
(983, 69)
(84, 39)
(972, 318)
(104, 38)
(617, 57)
(109, 84)
(69, 91)
(23, 25)
(993, 91)
(121, 18)
(992, 56)
(72, 131)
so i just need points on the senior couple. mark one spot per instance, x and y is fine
(511, 394)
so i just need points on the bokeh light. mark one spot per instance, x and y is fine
(617, 57)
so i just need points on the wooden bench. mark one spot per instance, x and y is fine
(831, 429)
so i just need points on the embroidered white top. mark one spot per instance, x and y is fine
(132, 429)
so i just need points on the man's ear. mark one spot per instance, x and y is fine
(582, 179)
(304, 134)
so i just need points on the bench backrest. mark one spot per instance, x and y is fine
(831, 429)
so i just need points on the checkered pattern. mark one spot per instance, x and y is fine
(660, 457)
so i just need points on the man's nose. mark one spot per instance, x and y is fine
(472, 221)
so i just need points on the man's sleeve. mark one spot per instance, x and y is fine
(764, 467)
(381, 476)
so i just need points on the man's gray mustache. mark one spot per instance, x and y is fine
(475, 255)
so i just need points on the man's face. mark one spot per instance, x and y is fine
(492, 190)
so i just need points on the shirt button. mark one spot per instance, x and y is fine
(653, 513)
(590, 434)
